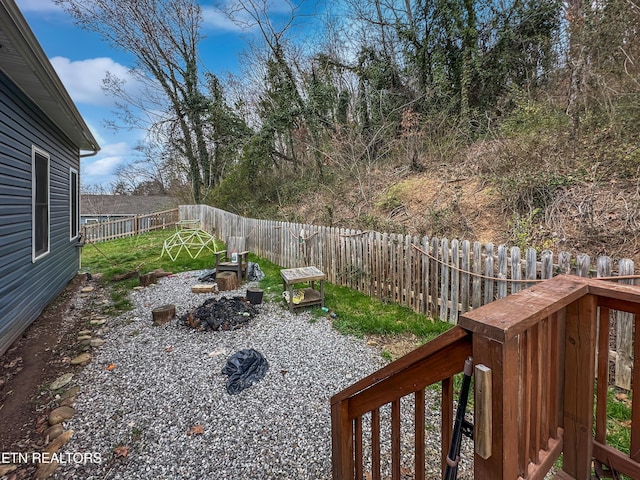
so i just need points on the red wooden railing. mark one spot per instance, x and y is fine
(534, 355)
(436, 361)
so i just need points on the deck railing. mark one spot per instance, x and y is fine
(436, 361)
(535, 355)
(126, 227)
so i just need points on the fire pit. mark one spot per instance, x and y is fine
(220, 314)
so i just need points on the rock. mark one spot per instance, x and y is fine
(82, 359)
(97, 342)
(84, 332)
(83, 337)
(60, 414)
(45, 470)
(100, 321)
(54, 431)
(69, 401)
(61, 381)
(7, 468)
(57, 444)
(72, 392)
(87, 289)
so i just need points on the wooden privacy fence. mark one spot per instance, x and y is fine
(126, 227)
(435, 276)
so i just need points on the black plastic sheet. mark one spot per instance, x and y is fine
(244, 368)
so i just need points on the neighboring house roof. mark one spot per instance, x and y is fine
(25, 63)
(125, 204)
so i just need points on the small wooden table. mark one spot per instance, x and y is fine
(291, 276)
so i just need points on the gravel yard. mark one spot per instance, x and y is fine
(161, 410)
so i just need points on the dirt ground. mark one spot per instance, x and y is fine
(38, 357)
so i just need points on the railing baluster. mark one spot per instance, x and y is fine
(358, 448)
(375, 444)
(545, 369)
(419, 434)
(603, 376)
(446, 407)
(395, 440)
(635, 395)
(536, 393)
(524, 412)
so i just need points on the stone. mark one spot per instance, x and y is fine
(60, 414)
(97, 342)
(72, 392)
(7, 468)
(84, 332)
(54, 431)
(57, 444)
(87, 289)
(82, 359)
(61, 381)
(45, 470)
(84, 337)
(99, 321)
(69, 401)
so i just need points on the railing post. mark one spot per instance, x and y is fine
(341, 441)
(502, 359)
(579, 362)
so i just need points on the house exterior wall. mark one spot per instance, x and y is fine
(27, 286)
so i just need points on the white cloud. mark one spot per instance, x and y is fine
(38, 6)
(215, 18)
(83, 78)
(106, 162)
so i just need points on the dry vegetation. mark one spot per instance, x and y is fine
(505, 192)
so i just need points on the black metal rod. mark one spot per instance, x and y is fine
(451, 472)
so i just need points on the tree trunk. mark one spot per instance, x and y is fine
(163, 314)
(227, 281)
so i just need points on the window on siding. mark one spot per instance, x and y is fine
(40, 193)
(74, 212)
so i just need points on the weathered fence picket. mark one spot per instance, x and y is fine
(127, 227)
(437, 277)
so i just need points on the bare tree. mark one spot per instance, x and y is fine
(163, 37)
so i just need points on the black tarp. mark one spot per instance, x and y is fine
(244, 368)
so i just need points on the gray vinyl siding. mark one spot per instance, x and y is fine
(27, 287)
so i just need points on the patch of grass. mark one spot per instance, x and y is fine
(142, 253)
(619, 420)
(358, 314)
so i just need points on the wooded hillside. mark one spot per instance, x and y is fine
(510, 121)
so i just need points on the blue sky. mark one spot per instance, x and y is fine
(81, 59)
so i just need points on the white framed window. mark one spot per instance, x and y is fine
(74, 204)
(41, 209)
